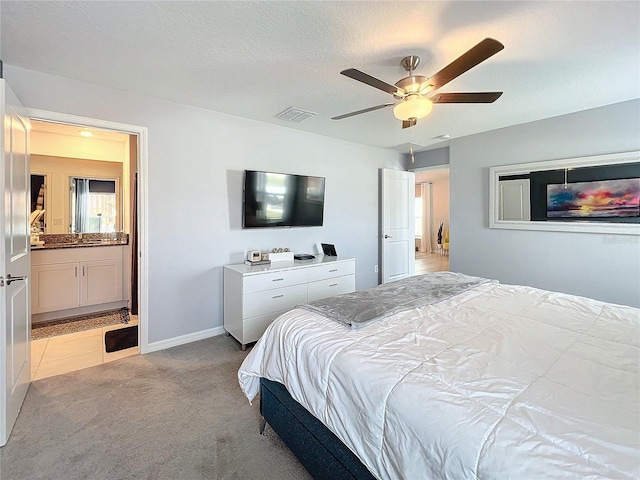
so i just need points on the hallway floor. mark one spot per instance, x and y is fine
(431, 262)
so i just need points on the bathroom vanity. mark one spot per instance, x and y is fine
(77, 278)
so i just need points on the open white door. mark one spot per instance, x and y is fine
(397, 236)
(15, 315)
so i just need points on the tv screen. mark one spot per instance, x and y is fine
(282, 200)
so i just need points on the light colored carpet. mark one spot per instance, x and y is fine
(177, 414)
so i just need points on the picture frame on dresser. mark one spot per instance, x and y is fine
(329, 249)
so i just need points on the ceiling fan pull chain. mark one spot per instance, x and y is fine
(413, 160)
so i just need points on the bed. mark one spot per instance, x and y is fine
(495, 381)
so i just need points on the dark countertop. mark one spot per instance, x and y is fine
(54, 246)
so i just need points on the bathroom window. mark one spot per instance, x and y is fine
(94, 205)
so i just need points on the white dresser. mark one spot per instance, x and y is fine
(255, 296)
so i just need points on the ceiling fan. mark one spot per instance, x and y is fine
(415, 94)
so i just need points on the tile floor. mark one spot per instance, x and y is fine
(431, 262)
(75, 351)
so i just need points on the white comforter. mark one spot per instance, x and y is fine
(497, 382)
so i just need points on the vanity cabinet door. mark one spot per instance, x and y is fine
(101, 281)
(54, 287)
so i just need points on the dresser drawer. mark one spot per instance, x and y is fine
(330, 287)
(285, 298)
(254, 327)
(255, 296)
(337, 269)
(268, 281)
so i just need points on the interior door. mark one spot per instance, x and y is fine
(397, 235)
(514, 200)
(15, 315)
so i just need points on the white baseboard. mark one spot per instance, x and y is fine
(191, 337)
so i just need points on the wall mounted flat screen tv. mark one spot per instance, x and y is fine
(282, 200)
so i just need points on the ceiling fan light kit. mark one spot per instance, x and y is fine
(415, 93)
(413, 106)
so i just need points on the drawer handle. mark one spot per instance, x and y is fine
(334, 270)
(333, 285)
(277, 279)
(277, 296)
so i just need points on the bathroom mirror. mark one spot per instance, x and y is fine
(94, 205)
(60, 200)
(597, 194)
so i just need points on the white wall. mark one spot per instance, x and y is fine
(428, 158)
(196, 160)
(605, 267)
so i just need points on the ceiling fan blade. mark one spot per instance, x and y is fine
(372, 81)
(476, 97)
(409, 123)
(370, 109)
(485, 49)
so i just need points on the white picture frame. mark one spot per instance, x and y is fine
(496, 173)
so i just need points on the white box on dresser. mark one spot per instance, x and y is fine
(255, 296)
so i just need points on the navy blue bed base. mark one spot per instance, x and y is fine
(317, 448)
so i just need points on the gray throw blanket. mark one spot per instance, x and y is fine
(358, 309)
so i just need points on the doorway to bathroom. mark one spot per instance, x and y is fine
(87, 243)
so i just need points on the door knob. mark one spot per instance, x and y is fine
(388, 236)
(13, 279)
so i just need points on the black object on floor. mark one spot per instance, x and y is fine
(120, 339)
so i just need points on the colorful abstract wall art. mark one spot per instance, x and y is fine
(604, 198)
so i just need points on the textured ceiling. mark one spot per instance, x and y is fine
(255, 59)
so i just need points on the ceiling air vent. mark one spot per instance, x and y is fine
(293, 114)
